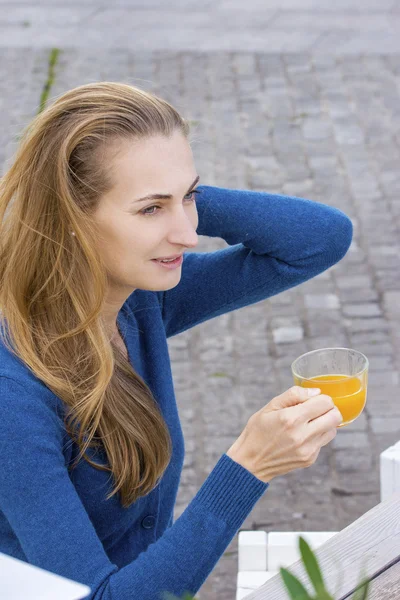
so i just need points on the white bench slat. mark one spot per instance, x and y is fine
(241, 593)
(253, 579)
(19, 579)
(270, 552)
(283, 546)
(390, 471)
(252, 553)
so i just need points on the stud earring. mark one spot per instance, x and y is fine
(72, 232)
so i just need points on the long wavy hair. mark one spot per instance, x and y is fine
(53, 285)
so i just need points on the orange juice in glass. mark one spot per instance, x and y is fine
(341, 373)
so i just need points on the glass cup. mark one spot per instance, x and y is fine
(341, 373)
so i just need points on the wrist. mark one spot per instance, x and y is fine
(237, 453)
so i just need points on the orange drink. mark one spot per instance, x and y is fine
(340, 373)
(346, 392)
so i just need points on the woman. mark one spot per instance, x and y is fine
(91, 443)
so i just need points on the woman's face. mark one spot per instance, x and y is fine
(134, 233)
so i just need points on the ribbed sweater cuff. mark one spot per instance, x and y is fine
(230, 491)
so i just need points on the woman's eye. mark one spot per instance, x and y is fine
(191, 197)
(193, 194)
(144, 211)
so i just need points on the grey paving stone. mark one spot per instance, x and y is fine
(374, 324)
(347, 462)
(352, 482)
(288, 334)
(381, 425)
(335, 339)
(317, 130)
(359, 294)
(359, 425)
(301, 189)
(350, 439)
(347, 282)
(349, 269)
(383, 379)
(382, 400)
(324, 301)
(391, 302)
(388, 279)
(362, 310)
(383, 349)
(385, 440)
(317, 327)
(319, 286)
(290, 350)
(314, 20)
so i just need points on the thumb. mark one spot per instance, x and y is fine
(292, 396)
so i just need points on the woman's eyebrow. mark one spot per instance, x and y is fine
(163, 196)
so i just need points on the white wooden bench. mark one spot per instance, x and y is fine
(19, 579)
(261, 554)
(390, 471)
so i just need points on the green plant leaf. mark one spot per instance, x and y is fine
(339, 575)
(219, 374)
(312, 568)
(362, 592)
(50, 78)
(295, 588)
(363, 586)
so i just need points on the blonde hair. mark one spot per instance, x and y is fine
(53, 285)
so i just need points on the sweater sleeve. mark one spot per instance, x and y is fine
(276, 242)
(55, 532)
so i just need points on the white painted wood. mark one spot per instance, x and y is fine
(253, 579)
(372, 542)
(241, 593)
(390, 471)
(387, 585)
(269, 552)
(283, 546)
(252, 551)
(248, 581)
(20, 580)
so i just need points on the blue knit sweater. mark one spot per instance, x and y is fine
(60, 520)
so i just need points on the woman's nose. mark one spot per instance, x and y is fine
(183, 230)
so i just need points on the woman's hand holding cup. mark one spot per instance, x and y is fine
(286, 434)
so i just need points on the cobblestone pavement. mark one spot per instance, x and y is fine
(322, 124)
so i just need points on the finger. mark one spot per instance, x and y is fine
(293, 396)
(327, 437)
(325, 423)
(316, 407)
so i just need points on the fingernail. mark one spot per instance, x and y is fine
(313, 392)
(340, 414)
